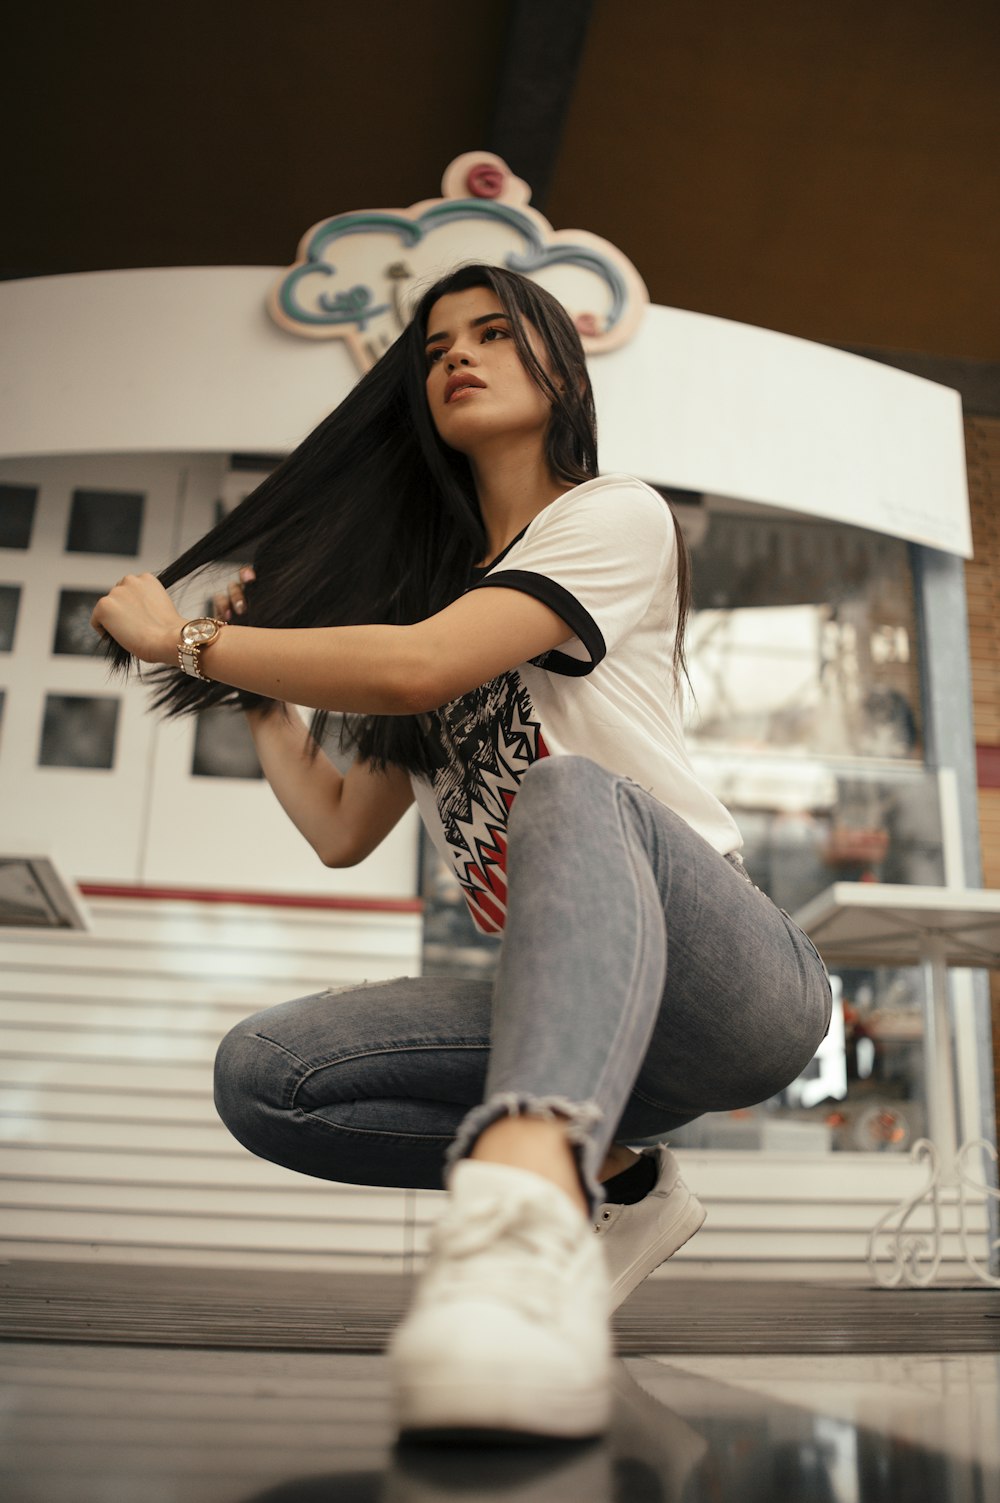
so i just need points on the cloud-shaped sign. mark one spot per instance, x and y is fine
(358, 274)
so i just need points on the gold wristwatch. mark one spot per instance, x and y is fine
(195, 635)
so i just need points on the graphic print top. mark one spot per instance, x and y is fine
(604, 558)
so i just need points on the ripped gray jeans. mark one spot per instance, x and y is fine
(643, 980)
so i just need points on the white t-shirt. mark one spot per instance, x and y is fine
(604, 558)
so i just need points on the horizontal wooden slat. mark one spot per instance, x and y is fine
(177, 1138)
(229, 1164)
(196, 930)
(260, 1233)
(124, 1106)
(303, 1200)
(220, 1259)
(133, 912)
(97, 1017)
(164, 1048)
(151, 1077)
(117, 988)
(305, 971)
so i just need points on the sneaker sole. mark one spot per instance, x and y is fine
(457, 1409)
(690, 1217)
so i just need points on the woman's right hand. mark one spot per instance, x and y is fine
(232, 601)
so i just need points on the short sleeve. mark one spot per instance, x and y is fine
(598, 557)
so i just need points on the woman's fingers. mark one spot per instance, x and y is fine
(236, 588)
(233, 601)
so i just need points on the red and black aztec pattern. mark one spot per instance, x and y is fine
(484, 744)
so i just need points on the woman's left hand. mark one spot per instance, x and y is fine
(141, 616)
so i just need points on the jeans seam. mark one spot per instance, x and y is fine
(374, 1132)
(265, 1039)
(637, 949)
(409, 1048)
(660, 1106)
(805, 936)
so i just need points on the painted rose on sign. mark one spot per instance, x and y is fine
(358, 273)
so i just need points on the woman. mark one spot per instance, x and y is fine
(441, 561)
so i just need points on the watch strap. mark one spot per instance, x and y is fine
(189, 653)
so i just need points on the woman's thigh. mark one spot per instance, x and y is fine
(746, 1000)
(364, 1085)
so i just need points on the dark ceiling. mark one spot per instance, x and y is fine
(827, 170)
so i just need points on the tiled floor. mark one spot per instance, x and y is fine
(110, 1424)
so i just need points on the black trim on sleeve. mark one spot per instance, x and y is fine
(579, 620)
(478, 573)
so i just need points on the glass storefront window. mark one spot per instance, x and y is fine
(806, 824)
(802, 639)
(809, 822)
(804, 717)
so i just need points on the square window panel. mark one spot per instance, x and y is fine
(10, 599)
(105, 522)
(74, 634)
(79, 731)
(17, 514)
(223, 746)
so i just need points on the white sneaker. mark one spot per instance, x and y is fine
(508, 1330)
(636, 1239)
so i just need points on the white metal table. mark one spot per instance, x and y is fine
(881, 924)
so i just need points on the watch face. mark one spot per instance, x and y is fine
(202, 630)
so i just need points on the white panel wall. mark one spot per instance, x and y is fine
(110, 1147)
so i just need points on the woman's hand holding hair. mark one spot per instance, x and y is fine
(232, 601)
(142, 618)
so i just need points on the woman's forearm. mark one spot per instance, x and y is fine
(308, 788)
(343, 818)
(366, 670)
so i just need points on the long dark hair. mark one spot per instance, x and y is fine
(373, 519)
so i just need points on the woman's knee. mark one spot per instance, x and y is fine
(555, 784)
(244, 1089)
(261, 1063)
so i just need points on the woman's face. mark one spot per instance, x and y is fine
(477, 388)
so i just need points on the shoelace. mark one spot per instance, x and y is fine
(480, 1250)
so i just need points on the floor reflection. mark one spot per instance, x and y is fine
(106, 1425)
